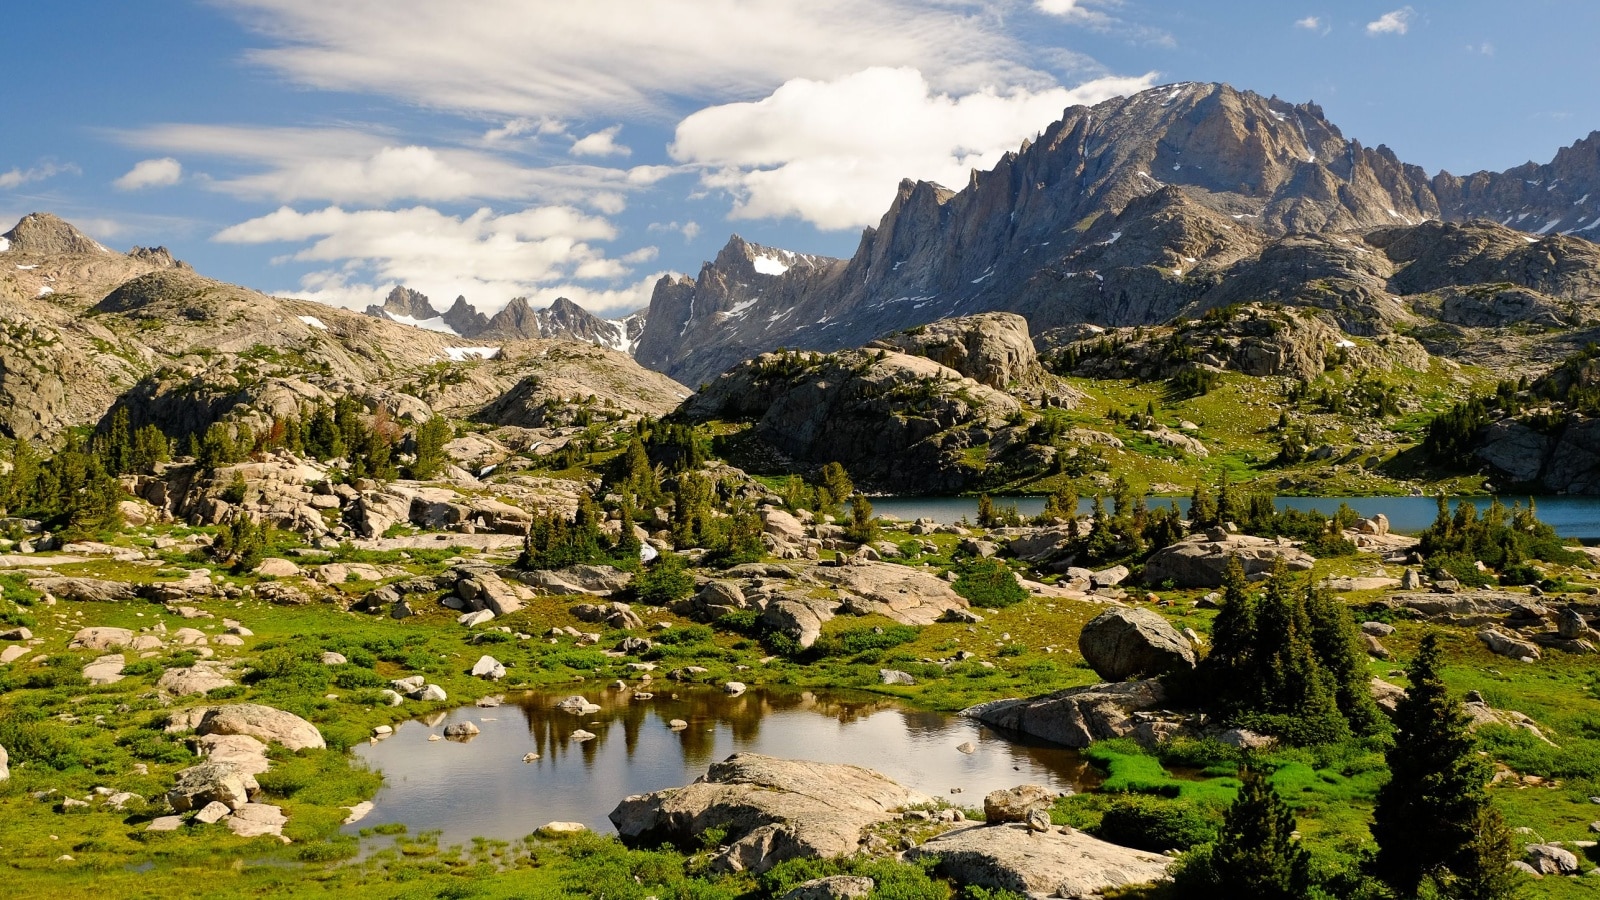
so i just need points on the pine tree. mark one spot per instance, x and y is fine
(1295, 696)
(1202, 508)
(1228, 508)
(431, 437)
(1337, 644)
(834, 488)
(863, 528)
(1256, 856)
(1433, 818)
(1231, 662)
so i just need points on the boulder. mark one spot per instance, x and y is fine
(474, 619)
(1552, 859)
(277, 568)
(783, 527)
(213, 813)
(199, 678)
(257, 820)
(1076, 717)
(600, 581)
(105, 670)
(834, 887)
(1124, 643)
(488, 668)
(461, 730)
(85, 590)
(101, 638)
(1200, 560)
(1508, 645)
(211, 782)
(768, 809)
(800, 621)
(1014, 804)
(241, 751)
(1377, 525)
(1014, 858)
(895, 676)
(1109, 578)
(1387, 695)
(253, 719)
(5, 765)
(894, 591)
(578, 706)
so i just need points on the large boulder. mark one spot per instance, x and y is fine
(211, 782)
(1200, 560)
(84, 590)
(769, 810)
(1014, 804)
(1077, 717)
(1508, 645)
(1053, 864)
(253, 719)
(1125, 643)
(802, 622)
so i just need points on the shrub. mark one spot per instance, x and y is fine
(666, 581)
(1156, 823)
(989, 583)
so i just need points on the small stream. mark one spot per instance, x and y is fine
(481, 786)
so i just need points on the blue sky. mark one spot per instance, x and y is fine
(334, 148)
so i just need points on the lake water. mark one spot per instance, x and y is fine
(1574, 517)
(481, 787)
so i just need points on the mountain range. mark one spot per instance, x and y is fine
(1135, 211)
(517, 321)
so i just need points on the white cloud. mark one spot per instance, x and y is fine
(1397, 22)
(832, 152)
(521, 126)
(355, 166)
(1309, 23)
(1485, 48)
(600, 143)
(151, 173)
(488, 257)
(689, 230)
(618, 57)
(18, 177)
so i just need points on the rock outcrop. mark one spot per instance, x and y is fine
(252, 719)
(770, 809)
(1078, 717)
(1057, 863)
(1201, 559)
(895, 421)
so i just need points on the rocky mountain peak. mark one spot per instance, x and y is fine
(44, 234)
(403, 301)
(159, 257)
(464, 318)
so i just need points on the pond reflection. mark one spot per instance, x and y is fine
(482, 786)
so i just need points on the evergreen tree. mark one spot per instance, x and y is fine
(863, 528)
(833, 488)
(1061, 505)
(241, 543)
(431, 437)
(1231, 662)
(1294, 695)
(115, 446)
(1433, 819)
(1202, 508)
(323, 438)
(150, 446)
(1228, 506)
(1256, 856)
(1337, 643)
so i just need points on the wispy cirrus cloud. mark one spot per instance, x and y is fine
(18, 176)
(618, 58)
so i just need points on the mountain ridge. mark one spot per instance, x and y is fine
(1202, 175)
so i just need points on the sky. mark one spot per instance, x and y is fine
(331, 149)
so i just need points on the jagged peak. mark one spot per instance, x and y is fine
(44, 233)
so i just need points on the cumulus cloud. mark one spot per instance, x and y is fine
(600, 143)
(832, 152)
(486, 256)
(1397, 22)
(151, 173)
(1309, 23)
(18, 177)
(353, 166)
(616, 57)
